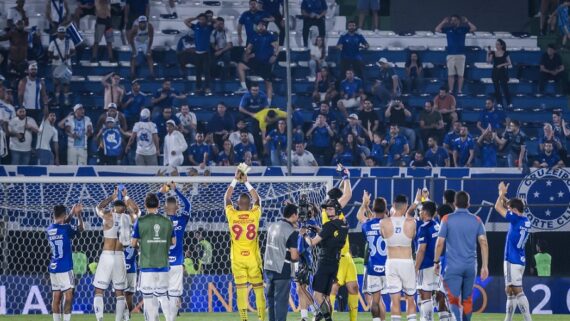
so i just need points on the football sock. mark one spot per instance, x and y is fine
(56, 317)
(165, 306)
(353, 306)
(511, 306)
(522, 303)
(242, 301)
(150, 308)
(260, 301)
(120, 307)
(98, 307)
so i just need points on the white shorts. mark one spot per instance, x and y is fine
(62, 281)
(131, 283)
(401, 276)
(111, 267)
(175, 280)
(153, 283)
(455, 65)
(350, 103)
(513, 274)
(440, 285)
(141, 47)
(374, 284)
(427, 280)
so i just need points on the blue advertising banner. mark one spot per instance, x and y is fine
(545, 295)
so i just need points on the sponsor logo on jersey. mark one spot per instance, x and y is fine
(244, 253)
(243, 216)
(52, 232)
(546, 187)
(378, 268)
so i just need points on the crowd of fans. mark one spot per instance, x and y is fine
(350, 125)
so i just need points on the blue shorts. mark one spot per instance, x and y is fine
(364, 5)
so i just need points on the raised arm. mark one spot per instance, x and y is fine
(76, 211)
(415, 204)
(347, 188)
(500, 203)
(255, 197)
(104, 203)
(364, 209)
(182, 198)
(230, 190)
(443, 22)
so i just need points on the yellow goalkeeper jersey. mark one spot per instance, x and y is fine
(244, 231)
(346, 248)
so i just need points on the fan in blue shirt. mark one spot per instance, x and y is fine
(425, 255)
(59, 235)
(488, 147)
(243, 147)
(202, 31)
(397, 146)
(342, 155)
(436, 155)
(455, 32)
(199, 152)
(463, 149)
(515, 256)
(133, 102)
(253, 101)
(351, 86)
(548, 158)
(350, 43)
(249, 19)
(164, 97)
(452, 135)
(491, 116)
(276, 140)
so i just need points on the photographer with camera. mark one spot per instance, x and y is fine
(305, 267)
(21, 129)
(280, 252)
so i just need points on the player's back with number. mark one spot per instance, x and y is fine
(59, 237)
(376, 246)
(516, 238)
(244, 227)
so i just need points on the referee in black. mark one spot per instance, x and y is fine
(331, 239)
(280, 252)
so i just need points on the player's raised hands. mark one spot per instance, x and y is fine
(164, 188)
(503, 188)
(77, 209)
(124, 192)
(366, 198)
(172, 185)
(116, 192)
(418, 196)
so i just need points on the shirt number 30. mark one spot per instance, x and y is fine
(250, 234)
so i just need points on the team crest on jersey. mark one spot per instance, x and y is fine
(549, 188)
(335, 233)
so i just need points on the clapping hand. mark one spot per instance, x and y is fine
(503, 188)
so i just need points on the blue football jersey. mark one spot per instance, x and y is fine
(59, 238)
(179, 222)
(516, 238)
(131, 256)
(377, 248)
(427, 234)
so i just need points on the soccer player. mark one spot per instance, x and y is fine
(111, 267)
(426, 277)
(131, 257)
(245, 255)
(179, 220)
(59, 235)
(375, 275)
(399, 231)
(154, 234)
(515, 257)
(346, 270)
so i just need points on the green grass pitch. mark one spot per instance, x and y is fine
(253, 317)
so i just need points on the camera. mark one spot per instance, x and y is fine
(22, 138)
(304, 208)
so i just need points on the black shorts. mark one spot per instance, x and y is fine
(325, 277)
(263, 70)
(87, 12)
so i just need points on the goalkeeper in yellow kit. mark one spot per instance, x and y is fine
(346, 274)
(245, 255)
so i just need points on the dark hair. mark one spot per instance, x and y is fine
(372, 158)
(254, 84)
(429, 102)
(491, 98)
(449, 196)
(552, 46)
(456, 16)
(151, 201)
(350, 21)
(401, 199)
(409, 59)
(335, 193)
(220, 19)
(379, 205)
(444, 88)
(461, 199)
(516, 123)
(271, 113)
(245, 195)
(289, 210)
(207, 12)
(202, 15)
(243, 131)
(503, 44)
(517, 204)
(435, 139)
(542, 244)
(419, 152)
(119, 203)
(171, 200)
(429, 207)
(59, 211)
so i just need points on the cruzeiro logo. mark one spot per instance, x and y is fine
(546, 193)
